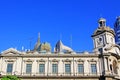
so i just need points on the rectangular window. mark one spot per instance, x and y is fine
(41, 68)
(80, 69)
(93, 69)
(54, 68)
(28, 68)
(67, 68)
(9, 68)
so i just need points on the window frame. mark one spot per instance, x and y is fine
(80, 69)
(68, 69)
(8, 67)
(42, 72)
(93, 68)
(55, 68)
(28, 71)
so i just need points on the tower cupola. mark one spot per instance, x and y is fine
(102, 22)
(103, 35)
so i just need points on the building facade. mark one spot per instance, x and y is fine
(64, 63)
(117, 30)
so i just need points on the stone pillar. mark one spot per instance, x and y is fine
(119, 67)
(106, 66)
(48, 66)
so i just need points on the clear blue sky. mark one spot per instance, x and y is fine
(21, 20)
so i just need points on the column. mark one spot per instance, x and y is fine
(106, 67)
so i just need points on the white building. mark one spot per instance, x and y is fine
(65, 64)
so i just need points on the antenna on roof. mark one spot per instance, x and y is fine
(22, 48)
(30, 39)
(38, 36)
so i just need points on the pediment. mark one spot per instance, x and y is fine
(11, 51)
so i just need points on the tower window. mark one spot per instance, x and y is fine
(102, 24)
(100, 39)
(111, 67)
(100, 50)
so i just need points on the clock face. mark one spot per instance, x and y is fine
(99, 41)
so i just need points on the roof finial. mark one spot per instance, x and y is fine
(38, 43)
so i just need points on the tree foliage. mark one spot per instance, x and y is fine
(10, 77)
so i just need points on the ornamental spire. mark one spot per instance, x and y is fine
(38, 41)
(36, 48)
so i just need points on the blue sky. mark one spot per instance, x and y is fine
(22, 20)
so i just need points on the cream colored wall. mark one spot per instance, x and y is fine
(108, 38)
(20, 63)
(18, 66)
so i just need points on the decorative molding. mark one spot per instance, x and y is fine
(92, 60)
(41, 60)
(55, 60)
(109, 47)
(80, 60)
(67, 60)
(10, 60)
(28, 60)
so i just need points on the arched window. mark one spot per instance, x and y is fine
(111, 67)
(115, 66)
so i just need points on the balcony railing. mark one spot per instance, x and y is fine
(57, 74)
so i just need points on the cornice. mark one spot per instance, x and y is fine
(53, 55)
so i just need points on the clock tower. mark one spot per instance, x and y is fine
(103, 36)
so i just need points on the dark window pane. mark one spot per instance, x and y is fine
(67, 68)
(55, 68)
(93, 69)
(28, 68)
(9, 68)
(80, 68)
(41, 68)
